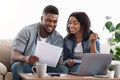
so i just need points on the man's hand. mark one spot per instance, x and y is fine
(31, 59)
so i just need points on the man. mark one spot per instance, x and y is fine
(25, 43)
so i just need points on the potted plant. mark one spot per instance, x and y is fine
(114, 39)
(110, 72)
(111, 67)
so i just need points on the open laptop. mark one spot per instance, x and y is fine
(94, 64)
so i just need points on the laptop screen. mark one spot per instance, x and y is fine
(94, 64)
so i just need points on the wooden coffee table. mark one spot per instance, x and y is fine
(30, 76)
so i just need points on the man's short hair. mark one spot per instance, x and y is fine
(50, 9)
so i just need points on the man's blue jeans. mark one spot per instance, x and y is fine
(19, 67)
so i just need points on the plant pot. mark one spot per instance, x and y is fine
(110, 74)
(117, 70)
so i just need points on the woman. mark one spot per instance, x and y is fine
(80, 39)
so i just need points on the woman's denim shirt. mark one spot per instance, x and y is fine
(69, 45)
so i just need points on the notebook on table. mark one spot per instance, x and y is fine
(94, 64)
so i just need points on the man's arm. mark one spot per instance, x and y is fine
(17, 56)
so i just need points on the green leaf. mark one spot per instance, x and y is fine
(111, 67)
(108, 17)
(115, 40)
(112, 41)
(111, 51)
(118, 26)
(109, 26)
(116, 57)
(117, 49)
(118, 53)
(117, 35)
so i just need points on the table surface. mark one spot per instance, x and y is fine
(30, 76)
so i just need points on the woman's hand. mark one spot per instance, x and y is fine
(93, 37)
(70, 62)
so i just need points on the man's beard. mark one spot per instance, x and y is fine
(48, 33)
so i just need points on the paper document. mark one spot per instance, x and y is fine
(48, 53)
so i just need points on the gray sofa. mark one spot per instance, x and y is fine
(5, 54)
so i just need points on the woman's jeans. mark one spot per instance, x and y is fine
(75, 68)
(19, 67)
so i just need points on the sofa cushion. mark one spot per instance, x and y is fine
(3, 69)
(5, 52)
(1, 77)
(8, 76)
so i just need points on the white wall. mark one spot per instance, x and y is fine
(14, 14)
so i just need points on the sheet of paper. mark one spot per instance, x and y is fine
(48, 53)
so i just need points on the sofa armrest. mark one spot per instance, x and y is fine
(3, 69)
